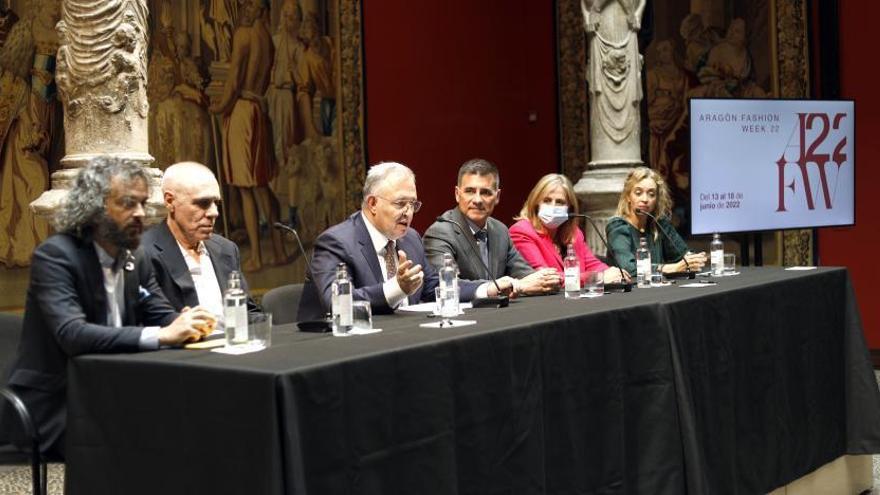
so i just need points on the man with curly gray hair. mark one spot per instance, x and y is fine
(91, 292)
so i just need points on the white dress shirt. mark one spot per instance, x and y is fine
(114, 285)
(394, 295)
(205, 279)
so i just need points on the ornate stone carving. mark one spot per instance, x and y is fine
(615, 90)
(101, 74)
(102, 78)
(614, 75)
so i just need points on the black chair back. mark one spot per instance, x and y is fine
(283, 303)
(11, 404)
(10, 334)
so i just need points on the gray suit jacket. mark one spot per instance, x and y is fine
(444, 237)
(174, 278)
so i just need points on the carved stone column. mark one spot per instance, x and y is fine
(101, 74)
(598, 191)
(615, 90)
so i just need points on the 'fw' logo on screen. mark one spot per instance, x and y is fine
(808, 154)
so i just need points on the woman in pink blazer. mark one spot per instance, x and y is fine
(543, 230)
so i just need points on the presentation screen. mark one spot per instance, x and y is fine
(771, 164)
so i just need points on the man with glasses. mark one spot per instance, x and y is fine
(191, 262)
(384, 256)
(480, 244)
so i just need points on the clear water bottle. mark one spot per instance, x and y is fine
(341, 290)
(235, 315)
(448, 276)
(572, 274)
(716, 255)
(643, 264)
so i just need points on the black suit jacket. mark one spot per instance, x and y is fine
(173, 276)
(444, 237)
(349, 242)
(66, 315)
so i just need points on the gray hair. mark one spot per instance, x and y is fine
(84, 204)
(381, 172)
(481, 167)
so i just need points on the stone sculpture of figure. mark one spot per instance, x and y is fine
(728, 69)
(248, 161)
(614, 78)
(667, 102)
(286, 127)
(30, 120)
(698, 40)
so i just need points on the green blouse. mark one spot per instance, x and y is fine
(623, 238)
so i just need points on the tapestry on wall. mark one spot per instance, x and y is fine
(292, 103)
(305, 83)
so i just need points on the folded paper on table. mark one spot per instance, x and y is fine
(429, 307)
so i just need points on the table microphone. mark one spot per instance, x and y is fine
(687, 273)
(315, 326)
(623, 284)
(499, 301)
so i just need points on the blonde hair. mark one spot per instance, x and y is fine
(529, 209)
(663, 208)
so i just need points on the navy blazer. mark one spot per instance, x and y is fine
(349, 242)
(66, 315)
(163, 251)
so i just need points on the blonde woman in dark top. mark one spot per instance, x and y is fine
(644, 189)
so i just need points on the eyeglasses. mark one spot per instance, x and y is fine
(403, 204)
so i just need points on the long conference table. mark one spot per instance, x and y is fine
(736, 388)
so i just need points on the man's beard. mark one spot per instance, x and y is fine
(123, 238)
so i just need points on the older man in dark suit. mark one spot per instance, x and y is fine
(91, 292)
(191, 262)
(480, 244)
(385, 258)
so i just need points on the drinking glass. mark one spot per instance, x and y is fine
(594, 284)
(729, 263)
(362, 315)
(260, 329)
(656, 275)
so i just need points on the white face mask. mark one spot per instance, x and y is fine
(552, 216)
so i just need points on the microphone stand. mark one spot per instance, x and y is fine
(499, 301)
(626, 286)
(687, 273)
(314, 326)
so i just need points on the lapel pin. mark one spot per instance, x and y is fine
(129, 262)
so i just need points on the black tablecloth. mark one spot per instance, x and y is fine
(734, 388)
